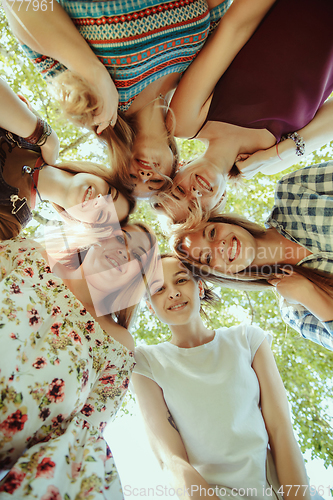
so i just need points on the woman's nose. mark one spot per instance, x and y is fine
(195, 193)
(221, 246)
(122, 254)
(100, 201)
(174, 295)
(145, 175)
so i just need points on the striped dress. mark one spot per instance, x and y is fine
(138, 41)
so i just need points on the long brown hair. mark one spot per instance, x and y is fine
(248, 279)
(80, 102)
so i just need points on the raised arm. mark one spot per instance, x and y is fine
(191, 100)
(166, 441)
(308, 308)
(52, 33)
(274, 405)
(317, 133)
(17, 118)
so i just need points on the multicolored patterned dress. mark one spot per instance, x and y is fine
(62, 378)
(138, 41)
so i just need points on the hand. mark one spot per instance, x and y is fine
(258, 160)
(50, 150)
(294, 287)
(107, 113)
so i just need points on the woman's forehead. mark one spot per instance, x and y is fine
(173, 265)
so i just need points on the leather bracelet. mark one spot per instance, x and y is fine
(47, 131)
(40, 134)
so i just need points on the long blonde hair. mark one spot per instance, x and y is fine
(248, 279)
(164, 201)
(79, 103)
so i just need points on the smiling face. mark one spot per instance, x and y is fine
(226, 248)
(152, 157)
(177, 301)
(91, 199)
(198, 182)
(115, 262)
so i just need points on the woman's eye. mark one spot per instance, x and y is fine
(212, 232)
(100, 217)
(180, 189)
(121, 239)
(208, 259)
(136, 256)
(132, 176)
(182, 280)
(158, 290)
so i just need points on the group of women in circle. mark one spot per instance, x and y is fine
(138, 75)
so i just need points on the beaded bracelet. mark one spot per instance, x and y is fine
(40, 134)
(299, 141)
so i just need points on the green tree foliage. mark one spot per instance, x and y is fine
(306, 368)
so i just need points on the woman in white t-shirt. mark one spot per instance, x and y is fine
(214, 404)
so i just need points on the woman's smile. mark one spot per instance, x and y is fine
(113, 263)
(178, 306)
(226, 247)
(202, 183)
(234, 249)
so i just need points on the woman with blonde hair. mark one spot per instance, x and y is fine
(80, 191)
(145, 47)
(294, 252)
(267, 109)
(73, 361)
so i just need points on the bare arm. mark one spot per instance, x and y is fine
(166, 441)
(52, 33)
(17, 118)
(297, 289)
(286, 453)
(191, 100)
(315, 134)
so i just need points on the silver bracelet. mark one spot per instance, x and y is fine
(299, 141)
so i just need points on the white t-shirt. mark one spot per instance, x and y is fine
(213, 395)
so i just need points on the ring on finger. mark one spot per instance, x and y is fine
(109, 122)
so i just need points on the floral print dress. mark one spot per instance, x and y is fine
(62, 378)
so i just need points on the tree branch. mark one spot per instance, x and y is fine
(251, 307)
(43, 220)
(75, 143)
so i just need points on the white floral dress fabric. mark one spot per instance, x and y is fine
(62, 378)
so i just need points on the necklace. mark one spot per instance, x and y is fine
(32, 172)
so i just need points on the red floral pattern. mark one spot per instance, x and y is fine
(45, 468)
(51, 420)
(56, 392)
(13, 423)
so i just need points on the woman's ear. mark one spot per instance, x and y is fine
(201, 289)
(150, 307)
(242, 157)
